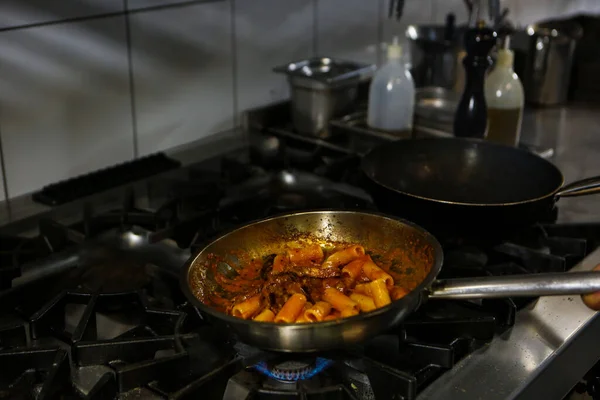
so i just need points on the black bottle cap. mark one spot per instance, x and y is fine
(479, 41)
(449, 27)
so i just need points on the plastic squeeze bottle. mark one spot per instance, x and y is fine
(505, 100)
(392, 95)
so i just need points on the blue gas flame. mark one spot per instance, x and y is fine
(303, 374)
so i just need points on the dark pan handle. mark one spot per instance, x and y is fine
(580, 188)
(533, 285)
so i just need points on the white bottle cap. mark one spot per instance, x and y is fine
(505, 55)
(505, 58)
(394, 50)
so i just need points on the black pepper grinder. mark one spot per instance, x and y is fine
(470, 119)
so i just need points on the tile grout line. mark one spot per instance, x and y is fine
(107, 15)
(234, 65)
(315, 32)
(131, 77)
(3, 166)
(62, 21)
(380, 20)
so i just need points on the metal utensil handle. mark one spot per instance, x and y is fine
(580, 188)
(546, 284)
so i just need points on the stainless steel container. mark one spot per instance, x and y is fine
(543, 60)
(435, 108)
(322, 89)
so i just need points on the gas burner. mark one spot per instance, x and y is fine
(288, 191)
(292, 201)
(117, 275)
(294, 370)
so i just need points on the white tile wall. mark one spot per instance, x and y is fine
(525, 12)
(20, 12)
(269, 33)
(182, 64)
(348, 29)
(522, 13)
(64, 101)
(415, 13)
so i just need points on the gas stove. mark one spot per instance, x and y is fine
(90, 305)
(111, 321)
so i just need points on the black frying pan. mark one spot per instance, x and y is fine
(466, 184)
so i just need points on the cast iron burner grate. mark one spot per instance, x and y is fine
(113, 323)
(273, 193)
(118, 344)
(390, 366)
(73, 336)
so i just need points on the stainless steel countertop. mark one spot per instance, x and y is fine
(574, 133)
(552, 345)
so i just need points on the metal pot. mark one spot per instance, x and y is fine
(322, 89)
(434, 53)
(415, 268)
(543, 60)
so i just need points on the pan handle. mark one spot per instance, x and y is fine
(533, 285)
(580, 188)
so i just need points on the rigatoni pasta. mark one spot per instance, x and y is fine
(380, 293)
(353, 269)
(305, 254)
(302, 318)
(365, 303)
(333, 316)
(338, 300)
(318, 312)
(265, 315)
(307, 283)
(363, 288)
(292, 308)
(344, 256)
(373, 272)
(247, 308)
(349, 312)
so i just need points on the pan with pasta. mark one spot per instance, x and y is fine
(313, 280)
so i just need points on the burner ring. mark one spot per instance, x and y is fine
(293, 370)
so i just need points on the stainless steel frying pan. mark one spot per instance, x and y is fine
(416, 266)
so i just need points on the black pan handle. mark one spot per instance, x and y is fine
(580, 188)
